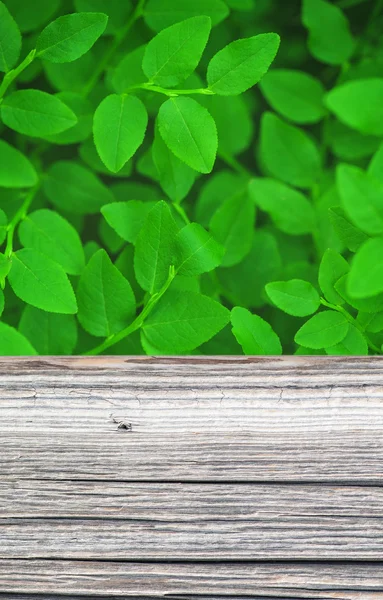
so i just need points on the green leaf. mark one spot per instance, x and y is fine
(163, 13)
(15, 169)
(175, 177)
(174, 53)
(127, 218)
(218, 188)
(332, 267)
(254, 334)
(288, 153)
(75, 189)
(295, 297)
(196, 251)
(2, 302)
(349, 235)
(36, 113)
(373, 304)
(10, 40)
(182, 321)
(106, 302)
(128, 73)
(233, 226)
(375, 167)
(244, 283)
(119, 128)
(349, 144)
(91, 158)
(154, 248)
(330, 40)
(3, 226)
(83, 110)
(32, 15)
(50, 234)
(51, 334)
(289, 209)
(296, 95)
(39, 281)
(70, 36)
(242, 64)
(366, 274)
(190, 132)
(13, 343)
(362, 198)
(353, 344)
(348, 103)
(323, 330)
(117, 11)
(234, 122)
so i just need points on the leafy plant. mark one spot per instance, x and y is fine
(184, 176)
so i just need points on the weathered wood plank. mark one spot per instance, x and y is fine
(250, 419)
(97, 579)
(190, 522)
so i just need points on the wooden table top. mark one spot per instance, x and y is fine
(191, 477)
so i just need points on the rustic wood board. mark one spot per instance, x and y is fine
(244, 477)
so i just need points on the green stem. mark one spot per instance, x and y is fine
(12, 75)
(181, 211)
(119, 38)
(138, 322)
(19, 216)
(351, 320)
(150, 87)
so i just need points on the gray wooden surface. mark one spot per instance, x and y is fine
(230, 477)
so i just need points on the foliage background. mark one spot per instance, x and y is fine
(122, 231)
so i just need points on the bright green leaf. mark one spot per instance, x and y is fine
(36, 113)
(127, 218)
(350, 235)
(175, 177)
(106, 302)
(182, 321)
(50, 234)
(254, 334)
(70, 36)
(288, 153)
(13, 343)
(296, 95)
(154, 248)
(332, 267)
(362, 198)
(51, 334)
(323, 330)
(366, 274)
(119, 128)
(359, 104)
(15, 169)
(289, 209)
(354, 344)
(174, 53)
(242, 64)
(190, 132)
(38, 280)
(330, 40)
(75, 189)
(295, 297)
(233, 226)
(10, 40)
(196, 251)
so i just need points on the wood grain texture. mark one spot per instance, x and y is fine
(193, 419)
(243, 460)
(94, 579)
